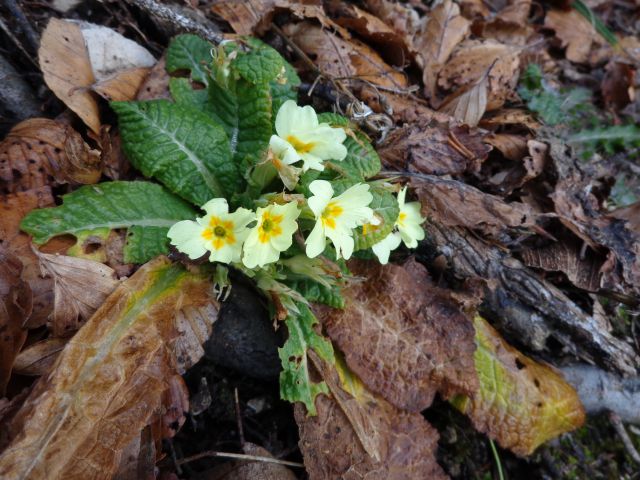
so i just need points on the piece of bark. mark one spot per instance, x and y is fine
(530, 308)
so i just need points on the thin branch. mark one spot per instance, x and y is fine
(624, 436)
(239, 456)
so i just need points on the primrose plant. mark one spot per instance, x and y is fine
(285, 194)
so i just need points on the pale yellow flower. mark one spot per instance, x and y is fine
(272, 234)
(219, 232)
(384, 247)
(337, 217)
(301, 137)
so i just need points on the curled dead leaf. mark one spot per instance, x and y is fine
(15, 308)
(39, 152)
(38, 358)
(521, 403)
(405, 338)
(80, 287)
(108, 381)
(65, 64)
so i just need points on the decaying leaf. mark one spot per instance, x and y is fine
(472, 59)
(444, 30)
(38, 358)
(521, 403)
(15, 309)
(618, 85)
(39, 152)
(12, 209)
(454, 203)
(156, 84)
(512, 146)
(123, 86)
(468, 104)
(405, 338)
(175, 402)
(574, 31)
(404, 442)
(65, 64)
(80, 287)
(250, 470)
(434, 149)
(510, 117)
(107, 382)
(350, 61)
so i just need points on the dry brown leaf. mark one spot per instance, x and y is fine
(65, 64)
(472, 59)
(138, 460)
(15, 308)
(510, 25)
(156, 83)
(405, 338)
(444, 30)
(521, 403)
(249, 470)
(404, 441)
(351, 61)
(512, 146)
(38, 358)
(435, 150)
(454, 203)
(39, 152)
(618, 85)
(80, 287)
(123, 86)
(399, 16)
(108, 381)
(574, 31)
(468, 104)
(175, 402)
(12, 209)
(510, 117)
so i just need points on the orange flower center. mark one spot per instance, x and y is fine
(299, 145)
(401, 218)
(330, 213)
(219, 233)
(269, 227)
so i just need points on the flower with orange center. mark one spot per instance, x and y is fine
(272, 234)
(301, 137)
(336, 217)
(219, 232)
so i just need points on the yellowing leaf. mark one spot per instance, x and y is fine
(521, 403)
(107, 382)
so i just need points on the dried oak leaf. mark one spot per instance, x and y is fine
(332, 448)
(66, 67)
(472, 59)
(108, 381)
(434, 149)
(80, 287)
(445, 28)
(39, 152)
(521, 403)
(454, 203)
(12, 209)
(574, 31)
(15, 308)
(38, 358)
(405, 338)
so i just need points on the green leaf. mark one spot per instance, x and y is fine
(386, 208)
(145, 209)
(244, 111)
(190, 52)
(295, 384)
(316, 292)
(362, 160)
(180, 146)
(259, 65)
(185, 95)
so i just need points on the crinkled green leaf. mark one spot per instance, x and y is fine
(318, 293)
(180, 146)
(259, 65)
(295, 384)
(145, 209)
(361, 162)
(185, 95)
(386, 208)
(190, 52)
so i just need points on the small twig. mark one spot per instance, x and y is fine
(239, 456)
(173, 16)
(624, 436)
(239, 417)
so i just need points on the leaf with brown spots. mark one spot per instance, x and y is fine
(521, 403)
(15, 309)
(107, 383)
(405, 338)
(66, 67)
(474, 58)
(39, 152)
(434, 149)
(80, 287)
(156, 83)
(401, 444)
